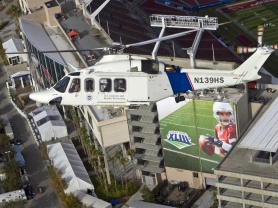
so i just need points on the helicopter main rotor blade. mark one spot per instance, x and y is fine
(57, 51)
(159, 39)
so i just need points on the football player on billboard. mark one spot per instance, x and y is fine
(224, 132)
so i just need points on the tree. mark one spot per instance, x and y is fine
(95, 161)
(112, 160)
(13, 181)
(147, 194)
(70, 201)
(215, 200)
(85, 139)
(4, 140)
(119, 155)
(14, 12)
(123, 162)
(2, 125)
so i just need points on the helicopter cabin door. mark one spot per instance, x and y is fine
(138, 89)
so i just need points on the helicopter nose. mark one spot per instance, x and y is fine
(41, 96)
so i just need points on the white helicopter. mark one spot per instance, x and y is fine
(126, 80)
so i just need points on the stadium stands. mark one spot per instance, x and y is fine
(124, 27)
(201, 2)
(152, 7)
(189, 3)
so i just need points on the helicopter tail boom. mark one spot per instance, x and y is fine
(249, 69)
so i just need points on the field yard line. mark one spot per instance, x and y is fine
(201, 115)
(184, 126)
(212, 161)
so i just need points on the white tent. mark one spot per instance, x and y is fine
(49, 123)
(14, 45)
(65, 158)
(91, 201)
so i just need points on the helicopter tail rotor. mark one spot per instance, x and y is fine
(241, 49)
(260, 32)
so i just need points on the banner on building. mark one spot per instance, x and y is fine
(196, 134)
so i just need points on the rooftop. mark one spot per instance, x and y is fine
(239, 159)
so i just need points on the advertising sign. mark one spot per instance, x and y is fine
(196, 134)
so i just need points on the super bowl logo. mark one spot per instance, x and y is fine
(179, 139)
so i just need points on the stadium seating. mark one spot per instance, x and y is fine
(206, 1)
(189, 3)
(127, 29)
(152, 7)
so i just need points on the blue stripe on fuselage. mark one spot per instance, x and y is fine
(179, 82)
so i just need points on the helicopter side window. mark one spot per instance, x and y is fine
(89, 85)
(61, 85)
(120, 85)
(105, 85)
(75, 85)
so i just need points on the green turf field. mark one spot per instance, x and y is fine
(266, 15)
(249, 27)
(194, 118)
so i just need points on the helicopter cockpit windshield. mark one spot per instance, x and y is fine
(61, 86)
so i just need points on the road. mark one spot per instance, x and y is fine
(35, 167)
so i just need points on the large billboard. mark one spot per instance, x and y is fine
(196, 134)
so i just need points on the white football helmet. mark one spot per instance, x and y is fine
(223, 107)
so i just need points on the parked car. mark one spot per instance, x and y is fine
(29, 191)
(16, 142)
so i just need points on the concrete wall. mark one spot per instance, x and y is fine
(35, 4)
(114, 131)
(179, 175)
(50, 14)
(242, 113)
(38, 16)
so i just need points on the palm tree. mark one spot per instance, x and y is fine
(119, 155)
(112, 160)
(85, 139)
(123, 162)
(95, 161)
(131, 153)
(102, 167)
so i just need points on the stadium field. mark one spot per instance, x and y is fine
(250, 16)
(243, 28)
(194, 118)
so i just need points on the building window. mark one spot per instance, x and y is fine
(195, 175)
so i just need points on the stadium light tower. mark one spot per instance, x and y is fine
(188, 22)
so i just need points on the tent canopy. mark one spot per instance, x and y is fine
(91, 201)
(13, 45)
(65, 158)
(49, 123)
(73, 33)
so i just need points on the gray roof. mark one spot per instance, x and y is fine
(264, 134)
(13, 45)
(37, 35)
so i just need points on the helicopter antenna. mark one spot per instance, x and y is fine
(213, 56)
